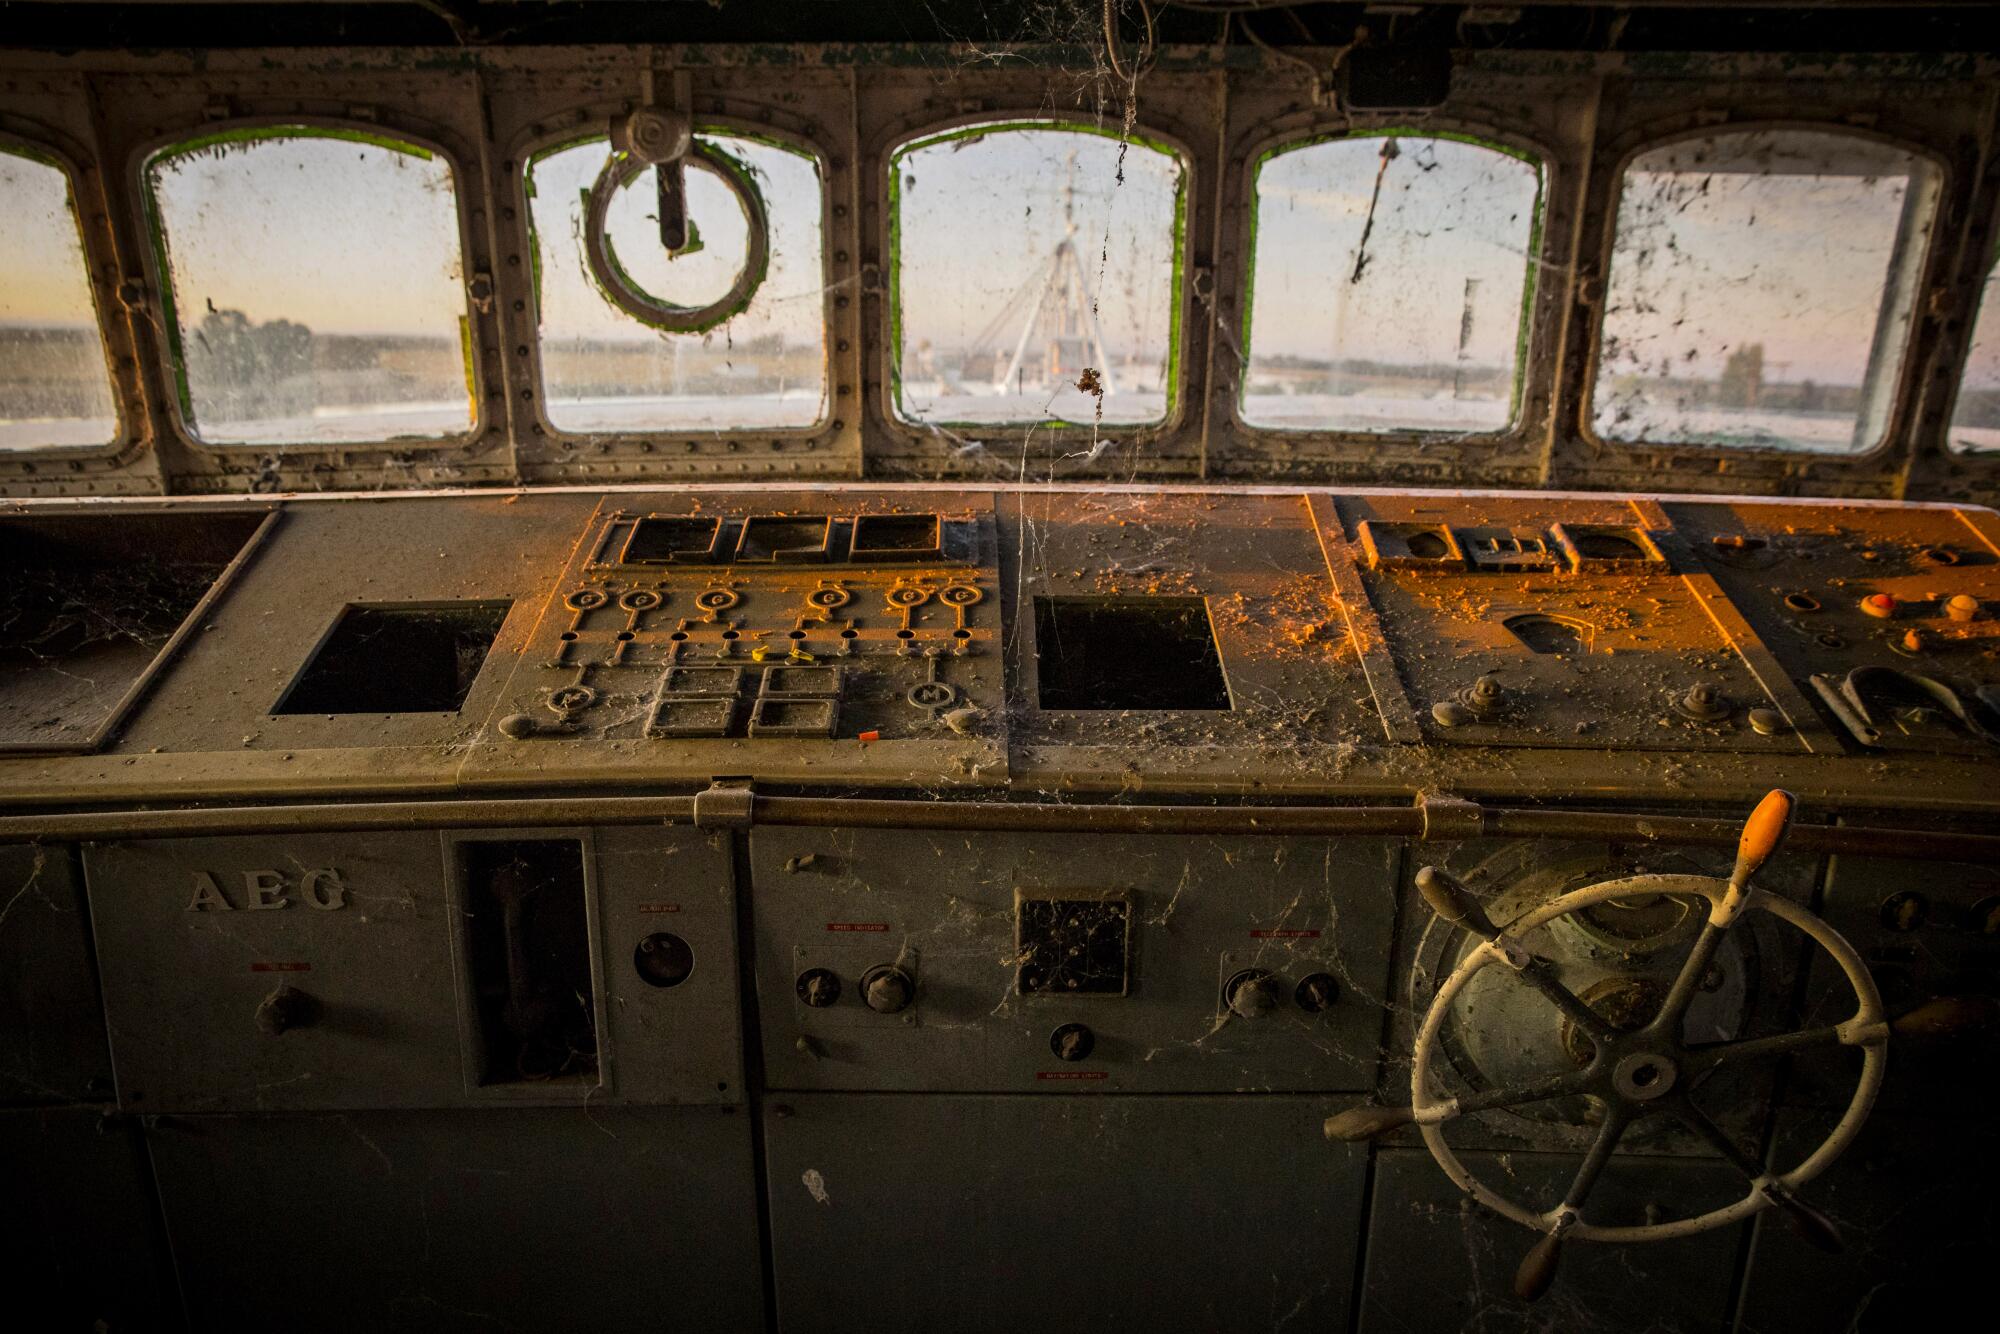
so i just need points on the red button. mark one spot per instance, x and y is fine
(1879, 604)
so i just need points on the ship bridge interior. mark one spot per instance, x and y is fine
(998, 665)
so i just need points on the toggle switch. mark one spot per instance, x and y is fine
(286, 1008)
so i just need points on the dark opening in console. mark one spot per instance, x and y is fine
(1128, 653)
(401, 659)
(778, 538)
(664, 541)
(896, 537)
(527, 948)
(91, 607)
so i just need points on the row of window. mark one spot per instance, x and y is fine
(1760, 293)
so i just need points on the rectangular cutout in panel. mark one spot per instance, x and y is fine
(1071, 946)
(1425, 546)
(666, 541)
(527, 948)
(794, 717)
(770, 537)
(1604, 546)
(704, 680)
(898, 537)
(801, 681)
(92, 605)
(408, 658)
(692, 715)
(1127, 653)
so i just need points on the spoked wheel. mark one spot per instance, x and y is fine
(1650, 1070)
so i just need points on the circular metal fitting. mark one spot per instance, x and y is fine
(654, 134)
(624, 292)
(586, 599)
(1643, 1076)
(963, 595)
(569, 699)
(829, 598)
(640, 599)
(1704, 703)
(931, 694)
(716, 599)
(908, 595)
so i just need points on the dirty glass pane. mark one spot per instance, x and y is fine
(1975, 421)
(1760, 291)
(55, 387)
(1024, 257)
(604, 371)
(316, 288)
(1388, 287)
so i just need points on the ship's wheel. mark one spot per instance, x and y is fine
(1648, 1070)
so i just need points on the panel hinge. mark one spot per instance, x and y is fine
(1448, 818)
(724, 804)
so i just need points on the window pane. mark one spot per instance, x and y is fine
(55, 388)
(1975, 421)
(605, 371)
(316, 288)
(1024, 257)
(1389, 286)
(1760, 291)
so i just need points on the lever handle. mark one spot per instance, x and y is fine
(1947, 1017)
(1538, 1267)
(1809, 1222)
(1762, 833)
(1365, 1123)
(1454, 902)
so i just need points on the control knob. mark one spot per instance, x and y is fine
(1252, 993)
(887, 989)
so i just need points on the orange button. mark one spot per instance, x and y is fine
(1879, 604)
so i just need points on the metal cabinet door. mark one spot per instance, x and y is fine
(1087, 1213)
(547, 1219)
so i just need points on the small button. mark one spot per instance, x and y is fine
(1879, 604)
(1450, 713)
(1962, 607)
(1766, 722)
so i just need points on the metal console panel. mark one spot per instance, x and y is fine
(331, 972)
(503, 1218)
(814, 634)
(51, 1020)
(1014, 943)
(1096, 1214)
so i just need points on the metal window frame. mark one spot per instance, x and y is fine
(1173, 106)
(1582, 114)
(1532, 331)
(122, 435)
(119, 464)
(387, 132)
(1137, 433)
(1928, 259)
(588, 123)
